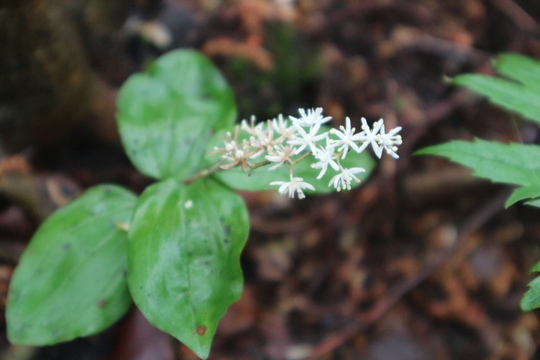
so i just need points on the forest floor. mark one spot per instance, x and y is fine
(420, 262)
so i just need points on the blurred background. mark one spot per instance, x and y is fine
(421, 262)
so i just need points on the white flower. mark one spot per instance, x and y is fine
(305, 138)
(388, 141)
(296, 185)
(280, 155)
(343, 180)
(263, 139)
(251, 128)
(369, 137)
(312, 117)
(284, 128)
(326, 157)
(346, 138)
(234, 153)
(236, 156)
(287, 142)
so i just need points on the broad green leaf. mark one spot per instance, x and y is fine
(71, 280)
(184, 249)
(261, 178)
(502, 163)
(521, 68)
(508, 94)
(523, 193)
(167, 115)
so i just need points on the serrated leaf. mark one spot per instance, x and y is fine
(523, 193)
(71, 280)
(167, 115)
(521, 68)
(512, 163)
(519, 93)
(184, 249)
(508, 94)
(261, 178)
(531, 299)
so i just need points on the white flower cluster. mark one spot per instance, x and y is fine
(282, 142)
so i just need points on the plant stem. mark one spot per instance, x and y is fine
(300, 158)
(216, 168)
(203, 173)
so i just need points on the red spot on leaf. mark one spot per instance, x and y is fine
(201, 330)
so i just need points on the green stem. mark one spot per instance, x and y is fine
(300, 158)
(203, 173)
(216, 168)
(257, 165)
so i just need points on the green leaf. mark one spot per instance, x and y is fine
(536, 267)
(512, 163)
(508, 94)
(523, 193)
(71, 280)
(184, 249)
(531, 299)
(261, 178)
(535, 203)
(521, 68)
(167, 115)
(521, 93)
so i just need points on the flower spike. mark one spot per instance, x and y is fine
(280, 142)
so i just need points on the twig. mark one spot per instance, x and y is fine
(520, 18)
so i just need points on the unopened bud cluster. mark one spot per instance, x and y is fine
(283, 142)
